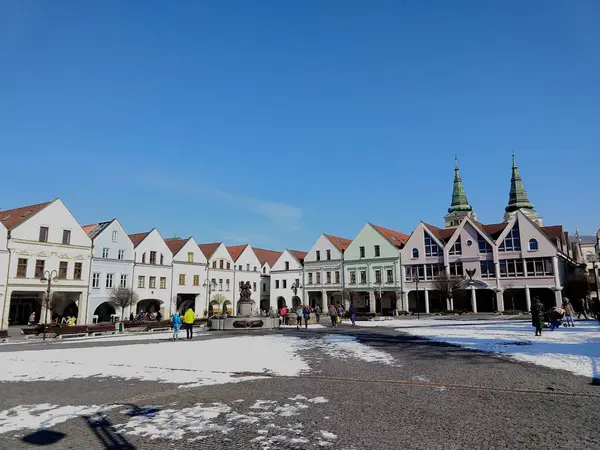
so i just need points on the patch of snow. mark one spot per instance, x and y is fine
(421, 379)
(344, 346)
(328, 435)
(318, 400)
(45, 415)
(166, 362)
(576, 350)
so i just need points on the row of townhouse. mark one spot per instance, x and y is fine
(87, 263)
(466, 265)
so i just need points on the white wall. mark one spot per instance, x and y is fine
(24, 243)
(154, 242)
(248, 263)
(281, 277)
(111, 265)
(181, 266)
(3, 266)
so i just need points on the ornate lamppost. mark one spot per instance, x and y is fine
(48, 277)
(209, 286)
(471, 273)
(295, 288)
(416, 281)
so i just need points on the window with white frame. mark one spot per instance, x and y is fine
(123, 282)
(456, 248)
(105, 252)
(361, 251)
(431, 248)
(276, 284)
(318, 275)
(376, 251)
(415, 253)
(484, 245)
(337, 276)
(512, 241)
(310, 278)
(415, 271)
(533, 245)
(539, 267)
(141, 282)
(363, 277)
(456, 269)
(328, 254)
(284, 284)
(390, 276)
(318, 255)
(432, 271)
(352, 277)
(510, 268)
(96, 280)
(121, 254)
(109, 281)
(227, 284)
(115, 236)
(220, 284)
(487, 269)
(378, 276)
(328, 277)
(152, 282)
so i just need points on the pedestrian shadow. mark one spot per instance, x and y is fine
(106, 433)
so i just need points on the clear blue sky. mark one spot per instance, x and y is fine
(274, 121)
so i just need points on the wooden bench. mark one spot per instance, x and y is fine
(101, 328)
(163, 325)
(74, 331)
(31, 331)
(3, 335)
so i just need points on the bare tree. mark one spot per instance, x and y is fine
(578, 288)
(448, 285)
(123, 298)
(219, 299)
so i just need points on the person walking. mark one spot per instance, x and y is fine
(299, 313)
(556, 315)
(318, 313)
(353, 313)
(306, 313)
(176, 322)
(537, 316)
(284, 312)
(31, 320)
(188, 319)
(333, 315)
(340, 312)
(569, 313)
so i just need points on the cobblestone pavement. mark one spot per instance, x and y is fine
(434, 396)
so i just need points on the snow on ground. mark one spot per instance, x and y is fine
(195, 423)
(574, 349)
(217, 360)
(45, 415)
(429, 322)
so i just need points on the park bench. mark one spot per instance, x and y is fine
(163, 325)
(3, 335)
(101, 328)
(31, 331)
(74, 331)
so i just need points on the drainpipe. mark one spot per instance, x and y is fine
(343, 281)
(401, 279)
(233, 310)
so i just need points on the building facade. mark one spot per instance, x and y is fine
(4, 257)
(220, 276)
(487, 267)
(324, 267)
(152, 273)
(188, 280)
(372, 265)
(267, 259)
(287, 280)
(247, 268)
(112, 267)
(45, 239)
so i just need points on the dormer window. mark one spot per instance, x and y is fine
(456, 248)
(287, 265)
(431, 248)
(533, 245)
(415, 253)
(328, 255)
(264, 270)
(318, 253)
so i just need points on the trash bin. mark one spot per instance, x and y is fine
(120, 327)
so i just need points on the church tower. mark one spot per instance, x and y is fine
(459, 207)
(518, 200)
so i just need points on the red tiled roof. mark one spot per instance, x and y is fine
(209, 249)
(443, 234)
(395, 237)
(298, 254)
(138, 238)
(12, 218)
(340, 242)
(176, 244)
(236, 250)
(266, 256)
(89, 229)
(493, 230)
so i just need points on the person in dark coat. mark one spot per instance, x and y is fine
(537, 316)
(353, 313)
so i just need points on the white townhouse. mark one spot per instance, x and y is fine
(324, 267)
(40, 238)
(189, 276)
(287, 280)
(3, 264)
(112, 267)
(267, 259)
(246, 267)
(152, 272)
(219, 273)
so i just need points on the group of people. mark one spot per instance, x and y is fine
(188, 321)
(144, 316)
(57, 320)
(556, 315)
(336, 314)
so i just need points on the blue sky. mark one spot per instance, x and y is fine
(272, 121)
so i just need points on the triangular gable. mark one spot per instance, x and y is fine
(474, 224)
(509, 226)
(266, 256)
(288, 254)
(339, 242)
(236, 251)
(209, 249)
(536, 226)
(247, 251)
(395, 238)
(138, 238)
(433, 235)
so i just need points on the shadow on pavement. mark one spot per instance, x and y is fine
(107, 434)
(43, 437)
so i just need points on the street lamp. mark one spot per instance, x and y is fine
(416, 281)
(470, 274)
(210, 286)
(48, 277)
(295, 288)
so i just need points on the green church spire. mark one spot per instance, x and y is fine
(518, 197)
(459, 198)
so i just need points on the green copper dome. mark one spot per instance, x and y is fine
(459, 198)
(518, 197)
